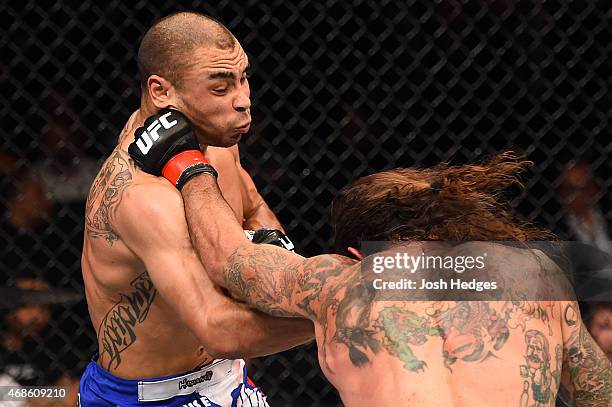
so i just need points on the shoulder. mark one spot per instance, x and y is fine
(117, 170)
(106, 194)
(135, 195)
(152, 217)
(153, 198)
(333, 260)
(328, 269)
(223, 153)
(235, 152)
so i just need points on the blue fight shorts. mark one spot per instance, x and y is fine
(223, 383)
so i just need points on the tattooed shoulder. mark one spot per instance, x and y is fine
(105, 196)
(589, 369)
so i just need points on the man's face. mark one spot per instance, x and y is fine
(31, 319)
(579, 189)
(215, 95)
(601, 330)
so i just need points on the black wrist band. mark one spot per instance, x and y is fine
(195, 170)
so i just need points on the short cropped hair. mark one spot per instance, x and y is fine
(167, 47)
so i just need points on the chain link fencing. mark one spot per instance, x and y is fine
(339, 89)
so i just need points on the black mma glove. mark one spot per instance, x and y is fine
(166, 145)
(271, 236)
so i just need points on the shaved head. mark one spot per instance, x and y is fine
(167, 47)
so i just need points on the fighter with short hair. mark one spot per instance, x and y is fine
(166, 334)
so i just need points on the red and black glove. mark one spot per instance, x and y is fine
(166, 145)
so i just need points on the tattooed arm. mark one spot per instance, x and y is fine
(283, 283)
(269, 278)
(587, 373)
(156, 230)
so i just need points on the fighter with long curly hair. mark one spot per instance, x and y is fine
(382, 349)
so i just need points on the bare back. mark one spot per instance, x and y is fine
(139, 336)
(385, 352)
(445, 354)
(457, 353)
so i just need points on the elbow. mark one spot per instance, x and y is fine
(221, 346)
(216, 272)
(214, 264)
(217, 267)
(223, 337)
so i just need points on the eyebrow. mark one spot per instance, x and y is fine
(225, 74)
(222, 75)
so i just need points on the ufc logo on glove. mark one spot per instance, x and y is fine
(146, 139)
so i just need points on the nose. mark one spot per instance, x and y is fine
(242, 102)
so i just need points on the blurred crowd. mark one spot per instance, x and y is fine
(43, 344)
(581, 194)
(43, 340)
(341, 92)
(43, 197)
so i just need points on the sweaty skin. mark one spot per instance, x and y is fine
(410, 353)
(155, 311)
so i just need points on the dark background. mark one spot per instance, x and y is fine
(339, 90)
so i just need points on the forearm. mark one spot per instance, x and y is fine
(214, 231)
(243, 332)
(265, 277)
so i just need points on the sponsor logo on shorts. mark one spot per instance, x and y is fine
(186, 383)
(202, 402)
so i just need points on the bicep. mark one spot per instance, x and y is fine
(155, 229)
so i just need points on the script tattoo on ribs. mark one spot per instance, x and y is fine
(117, 330)
(106, 193)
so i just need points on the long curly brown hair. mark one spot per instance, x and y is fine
(453, 203)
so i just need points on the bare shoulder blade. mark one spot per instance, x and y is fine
(105, 196)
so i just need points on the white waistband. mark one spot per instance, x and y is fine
(219, 375)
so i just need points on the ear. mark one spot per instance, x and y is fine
(161, 92)
(356, 253)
